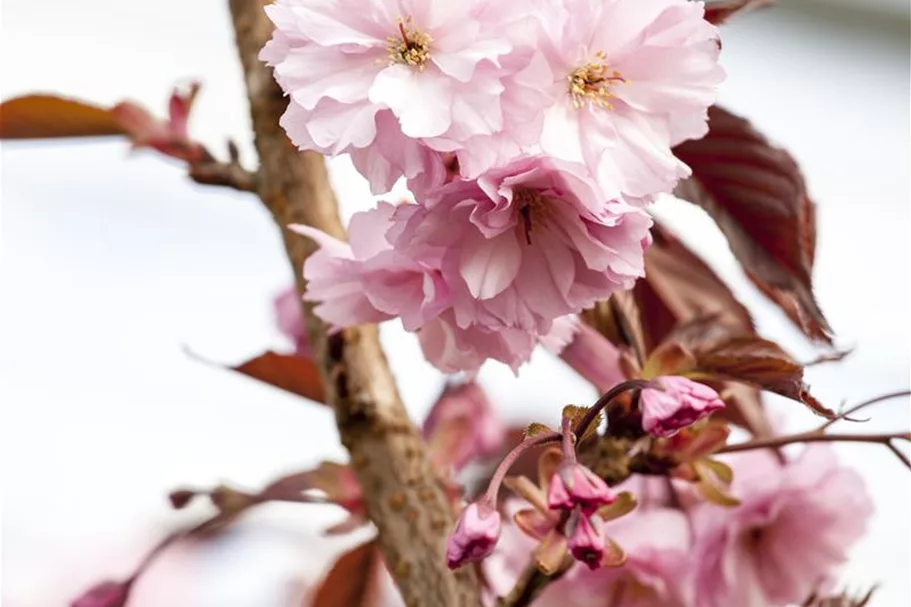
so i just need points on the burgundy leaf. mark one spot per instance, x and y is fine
(761, 363)
(295, 374)
(718, 11)
(757, 196)
(352, 581)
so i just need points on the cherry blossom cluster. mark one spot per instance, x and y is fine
(570, 508)
(532, 134)
(791, 532)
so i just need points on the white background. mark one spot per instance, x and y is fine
(111, 263)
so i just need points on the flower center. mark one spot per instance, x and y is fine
(533, 210)
(410, 47)
(592, 83)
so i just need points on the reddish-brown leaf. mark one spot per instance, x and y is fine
(352, 581)
(295, 374)
(718, 11)
(49, 116)
(761, 363)
(757, 196)
(679, 288)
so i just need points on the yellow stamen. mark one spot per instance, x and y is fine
(410, 47)
(592, 83)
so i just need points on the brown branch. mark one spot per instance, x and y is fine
(816, 437)
(227, 174)
(403, 495)
(528, 587)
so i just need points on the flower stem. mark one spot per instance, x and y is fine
(566, 429)
(592, 414)
(494, 488)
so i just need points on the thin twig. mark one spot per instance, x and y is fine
(815, 437)
(844, 414)
(528, 587)
(904, 458)
(226, 174)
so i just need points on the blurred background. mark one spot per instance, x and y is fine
(111, 263)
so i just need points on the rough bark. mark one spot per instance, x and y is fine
(404, 496)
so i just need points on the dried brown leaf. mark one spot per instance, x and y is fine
(50, 116)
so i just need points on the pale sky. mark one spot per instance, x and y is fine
(110, 263)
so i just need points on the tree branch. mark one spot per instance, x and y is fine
(404, 497)
(227, 174)
(528, 587)
(816, 436)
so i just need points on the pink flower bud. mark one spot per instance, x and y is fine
(587, 541)
(104, 594)
(681, 403)
(475, 535)
(575, 485)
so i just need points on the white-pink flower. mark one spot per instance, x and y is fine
(791, 531)
(483, 268)
(631, 78)
(527, 243)
(367, 281)
(360, 71)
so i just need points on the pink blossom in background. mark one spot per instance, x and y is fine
(656, 542)
(791, 532)
(678, 404)
(631, 79)
(289, 318)
(464, 424)
(433, 65)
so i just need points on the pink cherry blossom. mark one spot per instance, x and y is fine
(680, 403)
(631, 78)
(527, 243)
(451, 348)
(357, 72)
(367, 281)
(483, 269)
(792, 530)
